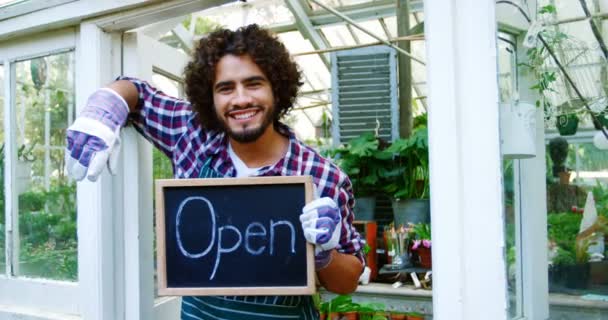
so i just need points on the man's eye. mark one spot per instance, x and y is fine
(223, 89)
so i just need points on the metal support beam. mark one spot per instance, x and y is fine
(184, 37)
(359, 12)
(405, 71)
(307, 29)
(358, 26)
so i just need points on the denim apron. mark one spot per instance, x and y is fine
(245, 307)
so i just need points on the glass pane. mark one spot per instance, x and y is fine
(577, 261)
(46, 197)
(2, 229)
(506, 64)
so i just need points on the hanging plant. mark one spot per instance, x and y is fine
(567, 124)
(38, 70)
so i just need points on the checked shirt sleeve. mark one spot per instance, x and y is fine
(333, 183)
(162, 119)
(350, 241)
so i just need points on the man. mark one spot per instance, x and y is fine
(239, 84)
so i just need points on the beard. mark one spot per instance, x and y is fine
(246, 134)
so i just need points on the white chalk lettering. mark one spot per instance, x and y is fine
(249, 233)
(221, 250)
(293, 234)
(178, 235)
(254, 229)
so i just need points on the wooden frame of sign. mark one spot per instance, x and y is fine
(170, 287)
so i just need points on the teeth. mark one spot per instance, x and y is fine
(244, 115)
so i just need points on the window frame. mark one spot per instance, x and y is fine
(24, 7)
(47, 294)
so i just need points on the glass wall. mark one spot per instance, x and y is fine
(44, 98)
(2, 225)
(506, 80)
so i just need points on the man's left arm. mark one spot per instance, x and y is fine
(328, 226)
(342, 274)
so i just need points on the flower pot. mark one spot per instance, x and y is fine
(333, 316)
(414, 317)
(411, 210)
(365, 208)
(518, 130)
(350, 315)
(426, 259)
(576, 276)
(322, 315)
(567, 124)
(398, 316)
(564, 178)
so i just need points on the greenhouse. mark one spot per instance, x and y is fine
(482, 125)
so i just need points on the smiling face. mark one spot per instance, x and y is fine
(243, 98)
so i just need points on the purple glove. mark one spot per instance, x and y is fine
(322, 224)
(93, 139)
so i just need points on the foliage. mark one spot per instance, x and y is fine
(600, 194)
(344, 303)
(363, 161)
(202, 26)
(562, 230)
(408, 174)
(558, 150)
(162, 165)
(47, 226)
(563, 258)
(537, 57)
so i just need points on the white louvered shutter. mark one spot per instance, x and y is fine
(364, 93)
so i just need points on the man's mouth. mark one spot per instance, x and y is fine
(243, 115)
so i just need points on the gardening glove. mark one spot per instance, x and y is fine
(322, 224)
(93, 139)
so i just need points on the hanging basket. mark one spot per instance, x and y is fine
(518, 130)
(567, 124)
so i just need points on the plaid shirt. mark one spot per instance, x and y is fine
(172, 126)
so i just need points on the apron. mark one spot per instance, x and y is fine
(245, 307)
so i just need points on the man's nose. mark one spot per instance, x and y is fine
(242, 98)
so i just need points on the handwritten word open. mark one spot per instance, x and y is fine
(254, 229)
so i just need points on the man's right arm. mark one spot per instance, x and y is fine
(94, 138)
(128, 91)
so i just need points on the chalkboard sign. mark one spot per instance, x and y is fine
(233, 236)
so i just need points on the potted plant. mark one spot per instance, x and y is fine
(372, 311)
(558, 151)
(406, 179)
(363, 161)
(567, 124)
(415, 316)
(422, 244)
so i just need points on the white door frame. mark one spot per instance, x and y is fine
(466, 180)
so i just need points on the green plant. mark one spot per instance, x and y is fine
(537, 58)
(363, 161)
(421, 233)
(558, 150)
(407, 176)
(563, 258)
(600, 194)
(563, 228)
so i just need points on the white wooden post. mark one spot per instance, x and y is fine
(533, 208)
(466, 184)
(138, 227)
(96, 258)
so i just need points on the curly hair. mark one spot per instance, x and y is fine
(265, 50)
